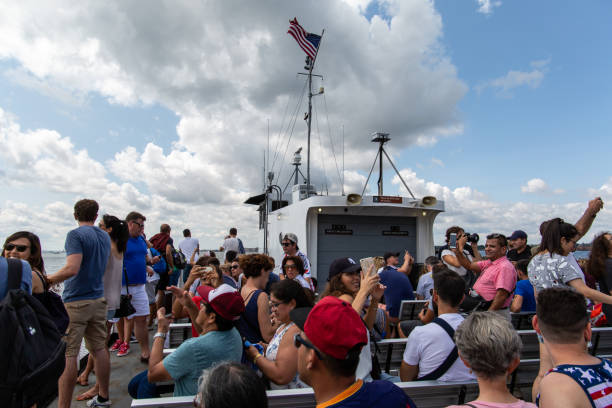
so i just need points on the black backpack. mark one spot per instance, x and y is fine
(178, 259)
(31, 348)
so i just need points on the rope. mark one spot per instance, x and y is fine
(320, 149)
(281, 134)
(331, 141)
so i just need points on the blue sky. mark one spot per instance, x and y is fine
(558, 130)
(518, 108)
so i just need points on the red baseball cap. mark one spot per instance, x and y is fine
(224, 300)
(333, 326)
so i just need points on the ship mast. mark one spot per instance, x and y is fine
(309, 67)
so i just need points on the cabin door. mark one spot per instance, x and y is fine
(360, 237)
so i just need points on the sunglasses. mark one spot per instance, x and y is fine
(234, 266)
(20, 248)
(286, 244)
(287, 267)
(137, 223)
(299, 340)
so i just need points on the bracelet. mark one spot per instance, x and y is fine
(256, 357)
(159, 334)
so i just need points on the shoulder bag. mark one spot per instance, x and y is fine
(54, 305)
(125, 304)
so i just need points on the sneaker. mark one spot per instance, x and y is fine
(94, 402)
(133, 339)
(116, 346)
(124, 350)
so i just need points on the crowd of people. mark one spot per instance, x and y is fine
(254, 329)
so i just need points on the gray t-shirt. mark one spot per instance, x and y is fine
(549, 271)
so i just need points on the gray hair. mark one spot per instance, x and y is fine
(229, 385)
(488, 343)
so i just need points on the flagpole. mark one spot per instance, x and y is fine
(310, 116)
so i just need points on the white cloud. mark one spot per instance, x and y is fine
(45, 157)
(437, 162)
(487, 6)
(224, 69)
(605, 191)
(514, 79)
(476, 212)
(537, 185)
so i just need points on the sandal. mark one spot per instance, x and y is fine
(82, 383)
(87, 395)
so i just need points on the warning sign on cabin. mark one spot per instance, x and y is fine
(338, 229)
(387, 199)
(395, 230)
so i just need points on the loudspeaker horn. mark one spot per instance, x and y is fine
(353, 199)
(429, 201)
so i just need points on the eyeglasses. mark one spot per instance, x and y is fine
(234, 266)
(299, 340)
(20, 248)
(286, 244)
(289, 266)
(276, 304)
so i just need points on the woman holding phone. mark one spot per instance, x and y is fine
(348, 282)
(279, 362)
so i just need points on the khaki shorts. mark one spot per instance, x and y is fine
(88, 320)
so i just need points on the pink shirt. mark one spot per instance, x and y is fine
(483, 404)
(499, 274)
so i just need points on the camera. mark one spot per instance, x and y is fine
(471, 237)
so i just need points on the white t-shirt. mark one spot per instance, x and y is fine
(429, 345)
(364, 368)
(187, 246)
(459, 269)
(425, 285)
(231, 244)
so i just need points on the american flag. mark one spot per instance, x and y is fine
(307, 42)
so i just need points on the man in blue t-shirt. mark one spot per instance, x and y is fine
(524, 299)
(87, 251)
(398, 286)
(26, 277)
(135, 262)
(328, 355)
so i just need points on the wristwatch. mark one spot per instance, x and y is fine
(160, 334)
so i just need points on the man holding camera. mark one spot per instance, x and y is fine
(496, 277)
(453, 234)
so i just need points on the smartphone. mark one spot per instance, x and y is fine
(366, 263)
(452, 240)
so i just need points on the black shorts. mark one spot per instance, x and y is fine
(164, 280)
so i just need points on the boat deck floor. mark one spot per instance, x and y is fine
(123, 369)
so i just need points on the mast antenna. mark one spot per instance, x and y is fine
(381, 138)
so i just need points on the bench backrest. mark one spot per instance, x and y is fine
(425, 394)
